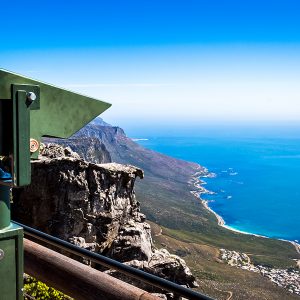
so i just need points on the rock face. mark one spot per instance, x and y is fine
(90, 148)
(117, 147)
(94, 206)
(164, 193)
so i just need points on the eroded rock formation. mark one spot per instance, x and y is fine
(94, 206)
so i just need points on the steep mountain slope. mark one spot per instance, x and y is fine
(185, 225)
(94, 206)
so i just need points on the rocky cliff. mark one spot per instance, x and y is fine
(184, 226)
(117, 147)
(94, 206)
(164, 193)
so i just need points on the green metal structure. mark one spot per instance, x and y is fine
(29, 110)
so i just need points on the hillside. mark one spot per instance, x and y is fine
(94, 206)
(183, 224)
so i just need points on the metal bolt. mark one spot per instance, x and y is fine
(31, 96)
(34, 145)
(1, 254)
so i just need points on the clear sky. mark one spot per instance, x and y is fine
(163, 62)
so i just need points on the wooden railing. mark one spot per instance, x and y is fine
(83, 282)
(75, 279)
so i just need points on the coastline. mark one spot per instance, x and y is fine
(197, 183)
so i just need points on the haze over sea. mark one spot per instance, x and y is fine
(257, 188)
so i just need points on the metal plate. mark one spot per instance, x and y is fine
(62, 112)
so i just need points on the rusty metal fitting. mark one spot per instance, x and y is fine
(34, 145)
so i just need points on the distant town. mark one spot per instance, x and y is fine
(286, 278)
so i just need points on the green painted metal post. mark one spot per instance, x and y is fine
(11, 250)
(4, 206)
(11, 263)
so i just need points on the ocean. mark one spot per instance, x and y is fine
(257, 183)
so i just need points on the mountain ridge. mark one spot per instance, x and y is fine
(166, 199)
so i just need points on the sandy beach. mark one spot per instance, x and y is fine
(197, 183)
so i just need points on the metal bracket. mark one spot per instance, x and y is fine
(25, 98)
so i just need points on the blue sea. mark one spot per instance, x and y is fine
(257, 183)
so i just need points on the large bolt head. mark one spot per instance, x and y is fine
(31, 96)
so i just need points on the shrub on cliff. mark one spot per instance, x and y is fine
(34, 289)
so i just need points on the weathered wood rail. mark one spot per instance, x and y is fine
(46, 269)
(76, 279)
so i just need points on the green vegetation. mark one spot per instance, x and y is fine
(187, 220)
(34, 289)
(188, 228)
(216, 278)
(268, 252)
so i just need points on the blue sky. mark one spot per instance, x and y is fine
(163, 62)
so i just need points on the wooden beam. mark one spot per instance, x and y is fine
(76, 279)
